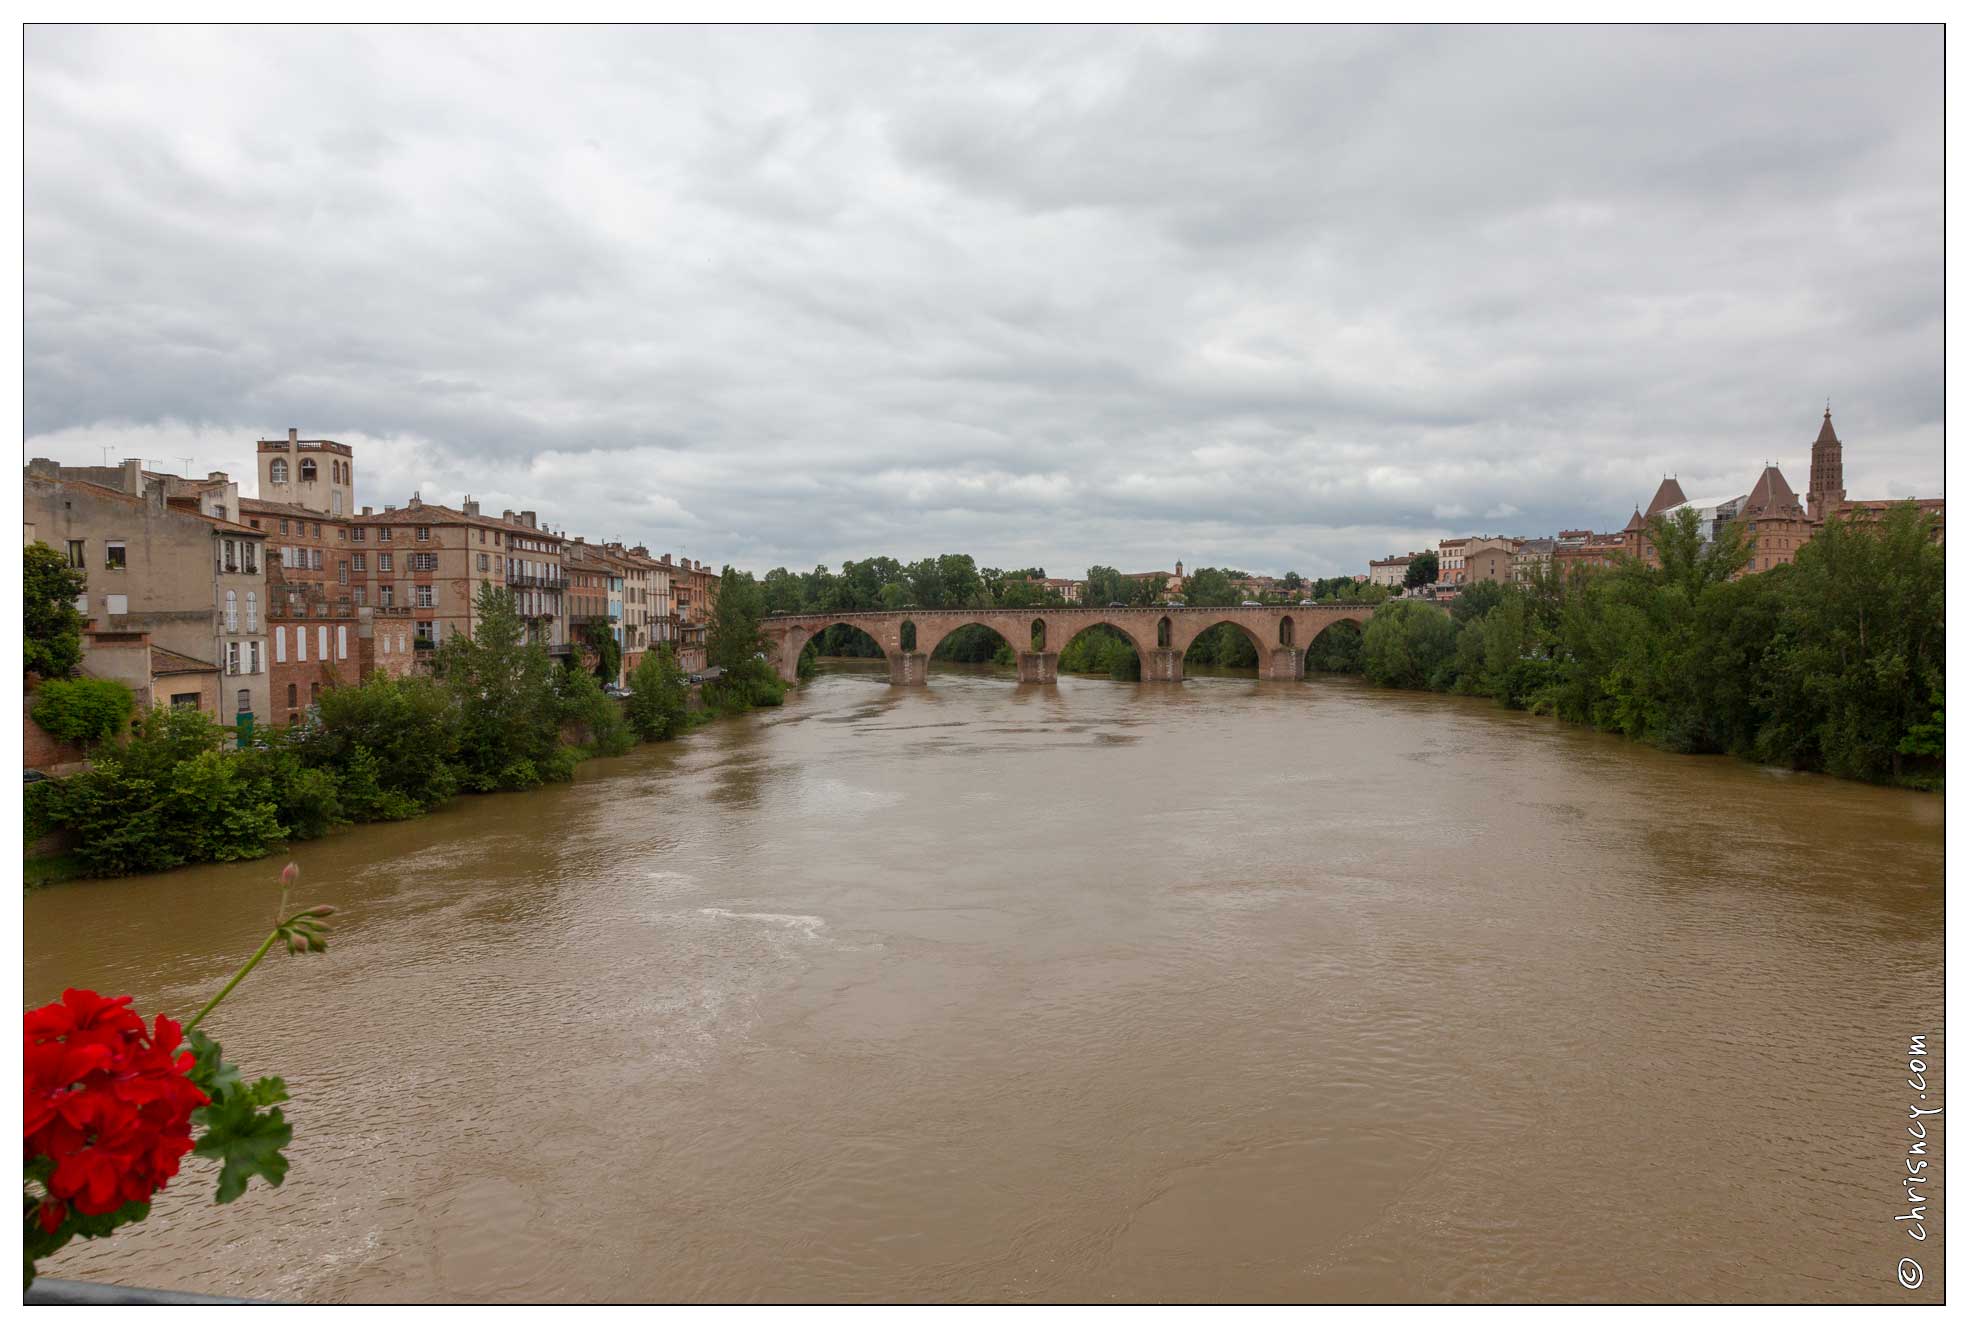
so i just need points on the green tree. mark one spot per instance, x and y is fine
(1406, 644)
(392, 744)
(1422, 570)
(737, 645)
(52, 631)
(659, 695)
(598, 716)
(508, 708)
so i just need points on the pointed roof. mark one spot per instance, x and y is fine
(1770, 494)
(1668, 496)
(1825, 430)
(1634, 523)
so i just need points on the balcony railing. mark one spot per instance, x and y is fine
(530, 581)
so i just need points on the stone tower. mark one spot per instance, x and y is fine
(1827, 489)
(313, 473)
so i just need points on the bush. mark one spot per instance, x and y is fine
(387, 741)
(83, 710)
(1406, 644)
(202, 811)
(306, 800)
(659, 696)
(559, 768)
(598, 715)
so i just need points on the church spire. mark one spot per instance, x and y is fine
(1827, 489)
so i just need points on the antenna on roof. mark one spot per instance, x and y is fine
(106, 448)
(187, 461)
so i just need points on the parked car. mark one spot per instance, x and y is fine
(1306, 602)
(1252, 604)
(33, 776)
(1116, 604)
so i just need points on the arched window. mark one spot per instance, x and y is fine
(1039, 634)
(277, 473)
(1162, 633)
(308, 471)
(1285, 631)
(232, 611)
(252, 611)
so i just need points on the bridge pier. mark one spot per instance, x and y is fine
(1287, 664)
(1039, 666)
(1162, 664)
(909, 668)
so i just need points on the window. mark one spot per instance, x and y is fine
(293, 694)
(280, 646)
(335, 502)
(249, 556)
(314, 559)
(424, 629)
(401, 647)
(423, 532)
(342, 571)
(116, 604)
(232, 613)
(252, 611)
(321, 640)
(309, 472)
(424, 597)
(277, 473)
(481, 535)
(389, 599)
(385, 534)
(362, 595)
(385, 563)
(362, 562)
(386, 643)
(252, 657)
(341, 642)
(113, 556)
(342, 534)
(301, 645)
(317, 530)
(484, 563)
(362, 534)
(232, 657)
(314, 693)
(245, 702)
(76, 556)
(495, 539)
(424, 562)
(184, 701)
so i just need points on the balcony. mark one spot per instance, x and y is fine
(533, 581)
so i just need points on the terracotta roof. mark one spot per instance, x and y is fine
(1770, 494)
(1825, 430)
(1668, 496)
(104, 491)
(170, 662)
(437, 514)
(285, 510)
(1635, 522)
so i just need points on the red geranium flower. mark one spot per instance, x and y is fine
(109, 1102)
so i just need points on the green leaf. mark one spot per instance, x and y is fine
(246, 1140)
(215, 1076)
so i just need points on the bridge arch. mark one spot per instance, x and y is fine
(1258, 635)
(932, 633)
(1081, 657)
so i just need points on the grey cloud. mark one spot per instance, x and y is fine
(1271, 297)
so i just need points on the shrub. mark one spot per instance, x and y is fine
(387, 740)
(598, 715)
(83, 710)
(306, 800)
(659, 696)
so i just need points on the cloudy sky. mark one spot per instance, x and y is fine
(1272, 298)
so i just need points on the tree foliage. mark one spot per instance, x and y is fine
(82, 710)
(52, 626)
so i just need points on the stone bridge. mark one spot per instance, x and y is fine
(1161, 634)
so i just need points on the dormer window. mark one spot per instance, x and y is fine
(277, 473)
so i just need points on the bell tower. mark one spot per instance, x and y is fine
(1827, 489)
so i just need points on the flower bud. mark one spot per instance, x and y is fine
(289, 874)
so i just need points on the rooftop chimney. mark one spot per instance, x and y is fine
(530, 517)
(471, 506)
(368, 510)
(133, 476)
(293, 435)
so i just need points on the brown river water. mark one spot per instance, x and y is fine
(1224, 990)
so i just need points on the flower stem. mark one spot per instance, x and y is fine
(244, 970)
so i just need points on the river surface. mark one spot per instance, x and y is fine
(1220, 991)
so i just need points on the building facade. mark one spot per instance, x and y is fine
(194, 582)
